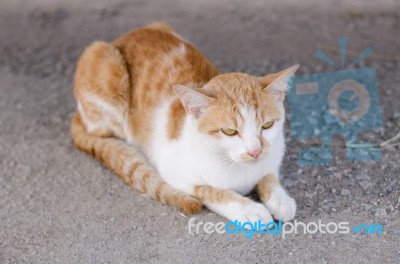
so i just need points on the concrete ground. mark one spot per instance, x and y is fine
(58, 205)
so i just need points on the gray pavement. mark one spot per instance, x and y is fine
(58, 205)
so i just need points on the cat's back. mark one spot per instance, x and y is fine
(145, 46)
(157, 58)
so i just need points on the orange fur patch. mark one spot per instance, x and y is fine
(216, 195)
(266, 186)
(160, 59)
(176, 117)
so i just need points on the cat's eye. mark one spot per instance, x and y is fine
(268, 124)
(229, 131)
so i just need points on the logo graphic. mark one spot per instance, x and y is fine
(249, 229)
(343, 102)
(368, 229)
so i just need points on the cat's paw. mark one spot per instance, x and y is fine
(254, 212)
(281, 205)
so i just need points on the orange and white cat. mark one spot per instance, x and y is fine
(161, 116)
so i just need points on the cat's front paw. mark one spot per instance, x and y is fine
(254, 212)
(281, 205)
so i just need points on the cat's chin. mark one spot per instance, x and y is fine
(248, 162)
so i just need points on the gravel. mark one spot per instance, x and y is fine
(57, 205)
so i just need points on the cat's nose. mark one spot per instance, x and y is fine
(255, 153)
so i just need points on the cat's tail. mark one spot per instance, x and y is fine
(132, 167)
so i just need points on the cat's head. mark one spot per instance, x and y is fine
(241, 114)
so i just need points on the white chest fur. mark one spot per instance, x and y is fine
(191, 160)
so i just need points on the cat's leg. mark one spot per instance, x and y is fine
(129, 164)
(101, 87)
(276, 199)
(231, 204)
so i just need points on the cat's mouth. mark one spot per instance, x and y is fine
(246, 158)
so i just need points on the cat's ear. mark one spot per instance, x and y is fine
(277, 83)
(194, 101)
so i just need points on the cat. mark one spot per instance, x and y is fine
(155, 111)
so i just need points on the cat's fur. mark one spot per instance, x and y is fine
(151, 108)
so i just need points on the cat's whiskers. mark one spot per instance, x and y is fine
(225, 161)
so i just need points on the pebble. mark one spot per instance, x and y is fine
(367, 207)
(347, 211)
(380, 212)
(365, 184)
(362, 177)
(345, 192)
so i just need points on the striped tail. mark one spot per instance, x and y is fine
(131, 166)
